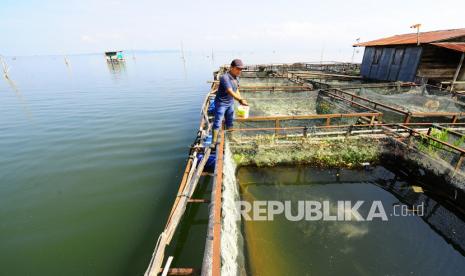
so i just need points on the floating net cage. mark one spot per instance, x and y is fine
(279, 133)
(444, 146)
(435, 148)
(335, 67)
(283, 118)
(425, 152)
(283, 106)
(255, 81)
(407, 103)
(265, 70)
(320, 80)
(412, 98)
(277, 103)
(273, 103)
(348, 124)
(324, 83)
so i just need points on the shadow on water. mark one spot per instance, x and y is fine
(189, 243)
(90, 189)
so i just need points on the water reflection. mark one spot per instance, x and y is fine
(96, 147)
(68, 64)
(427, 242)
(13, 86)
(117, 68)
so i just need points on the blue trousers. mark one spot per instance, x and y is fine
(225, 111)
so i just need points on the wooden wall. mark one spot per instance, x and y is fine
(438, 64)
(391, 63)
(410, 63)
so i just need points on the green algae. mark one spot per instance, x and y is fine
(267, 151)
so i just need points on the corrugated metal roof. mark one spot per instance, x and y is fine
(424, 37)
(457, 46)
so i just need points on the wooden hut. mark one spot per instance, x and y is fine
(426, 57)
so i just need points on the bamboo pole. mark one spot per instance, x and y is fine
(408, 115)
(183, 271)
(216, 252)
(450, 130)
(305, 117)
(352, 102)
(187, 187)
(460, 150)
(167, 266)
(370, 101)
(304, 73)
(462, 125)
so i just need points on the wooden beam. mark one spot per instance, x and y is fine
(207, 174)
(183, 271)
(457, 72)
(167, 266)
(216, 252)
(178, 209)
(368, 100)
(413, 131)
(449, 82)
(305, 117)
(198, 200)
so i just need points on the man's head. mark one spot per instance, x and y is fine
(236, 67)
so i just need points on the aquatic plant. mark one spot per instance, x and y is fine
(430, 146)
(459, 142)
(324, 107)
(346, 152)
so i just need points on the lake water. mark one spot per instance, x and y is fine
(430, 243)
(91, 156)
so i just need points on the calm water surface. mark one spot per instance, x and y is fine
(432, 244)
(90, 159)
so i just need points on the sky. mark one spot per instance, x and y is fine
(329, 28)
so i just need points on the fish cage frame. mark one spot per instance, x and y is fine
(271, 88)
(367, 112)
(326, 66)
(401, 132)
(404, 132)
(407, 114)
(193, 171)
(306, 75)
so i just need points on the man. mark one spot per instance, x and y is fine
(225, 96)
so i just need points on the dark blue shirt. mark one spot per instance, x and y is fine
(226, 81)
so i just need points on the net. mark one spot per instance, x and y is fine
(255, 81)
(273, 103)
(413, 98)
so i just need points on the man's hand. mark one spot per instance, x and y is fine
(236, 96)
(243, 102)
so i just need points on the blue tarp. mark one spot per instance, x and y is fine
(211, 107)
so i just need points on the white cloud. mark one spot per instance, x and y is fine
(86, 38)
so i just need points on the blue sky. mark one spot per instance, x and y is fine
(89, 26)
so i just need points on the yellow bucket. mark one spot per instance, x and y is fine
(242, 111)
